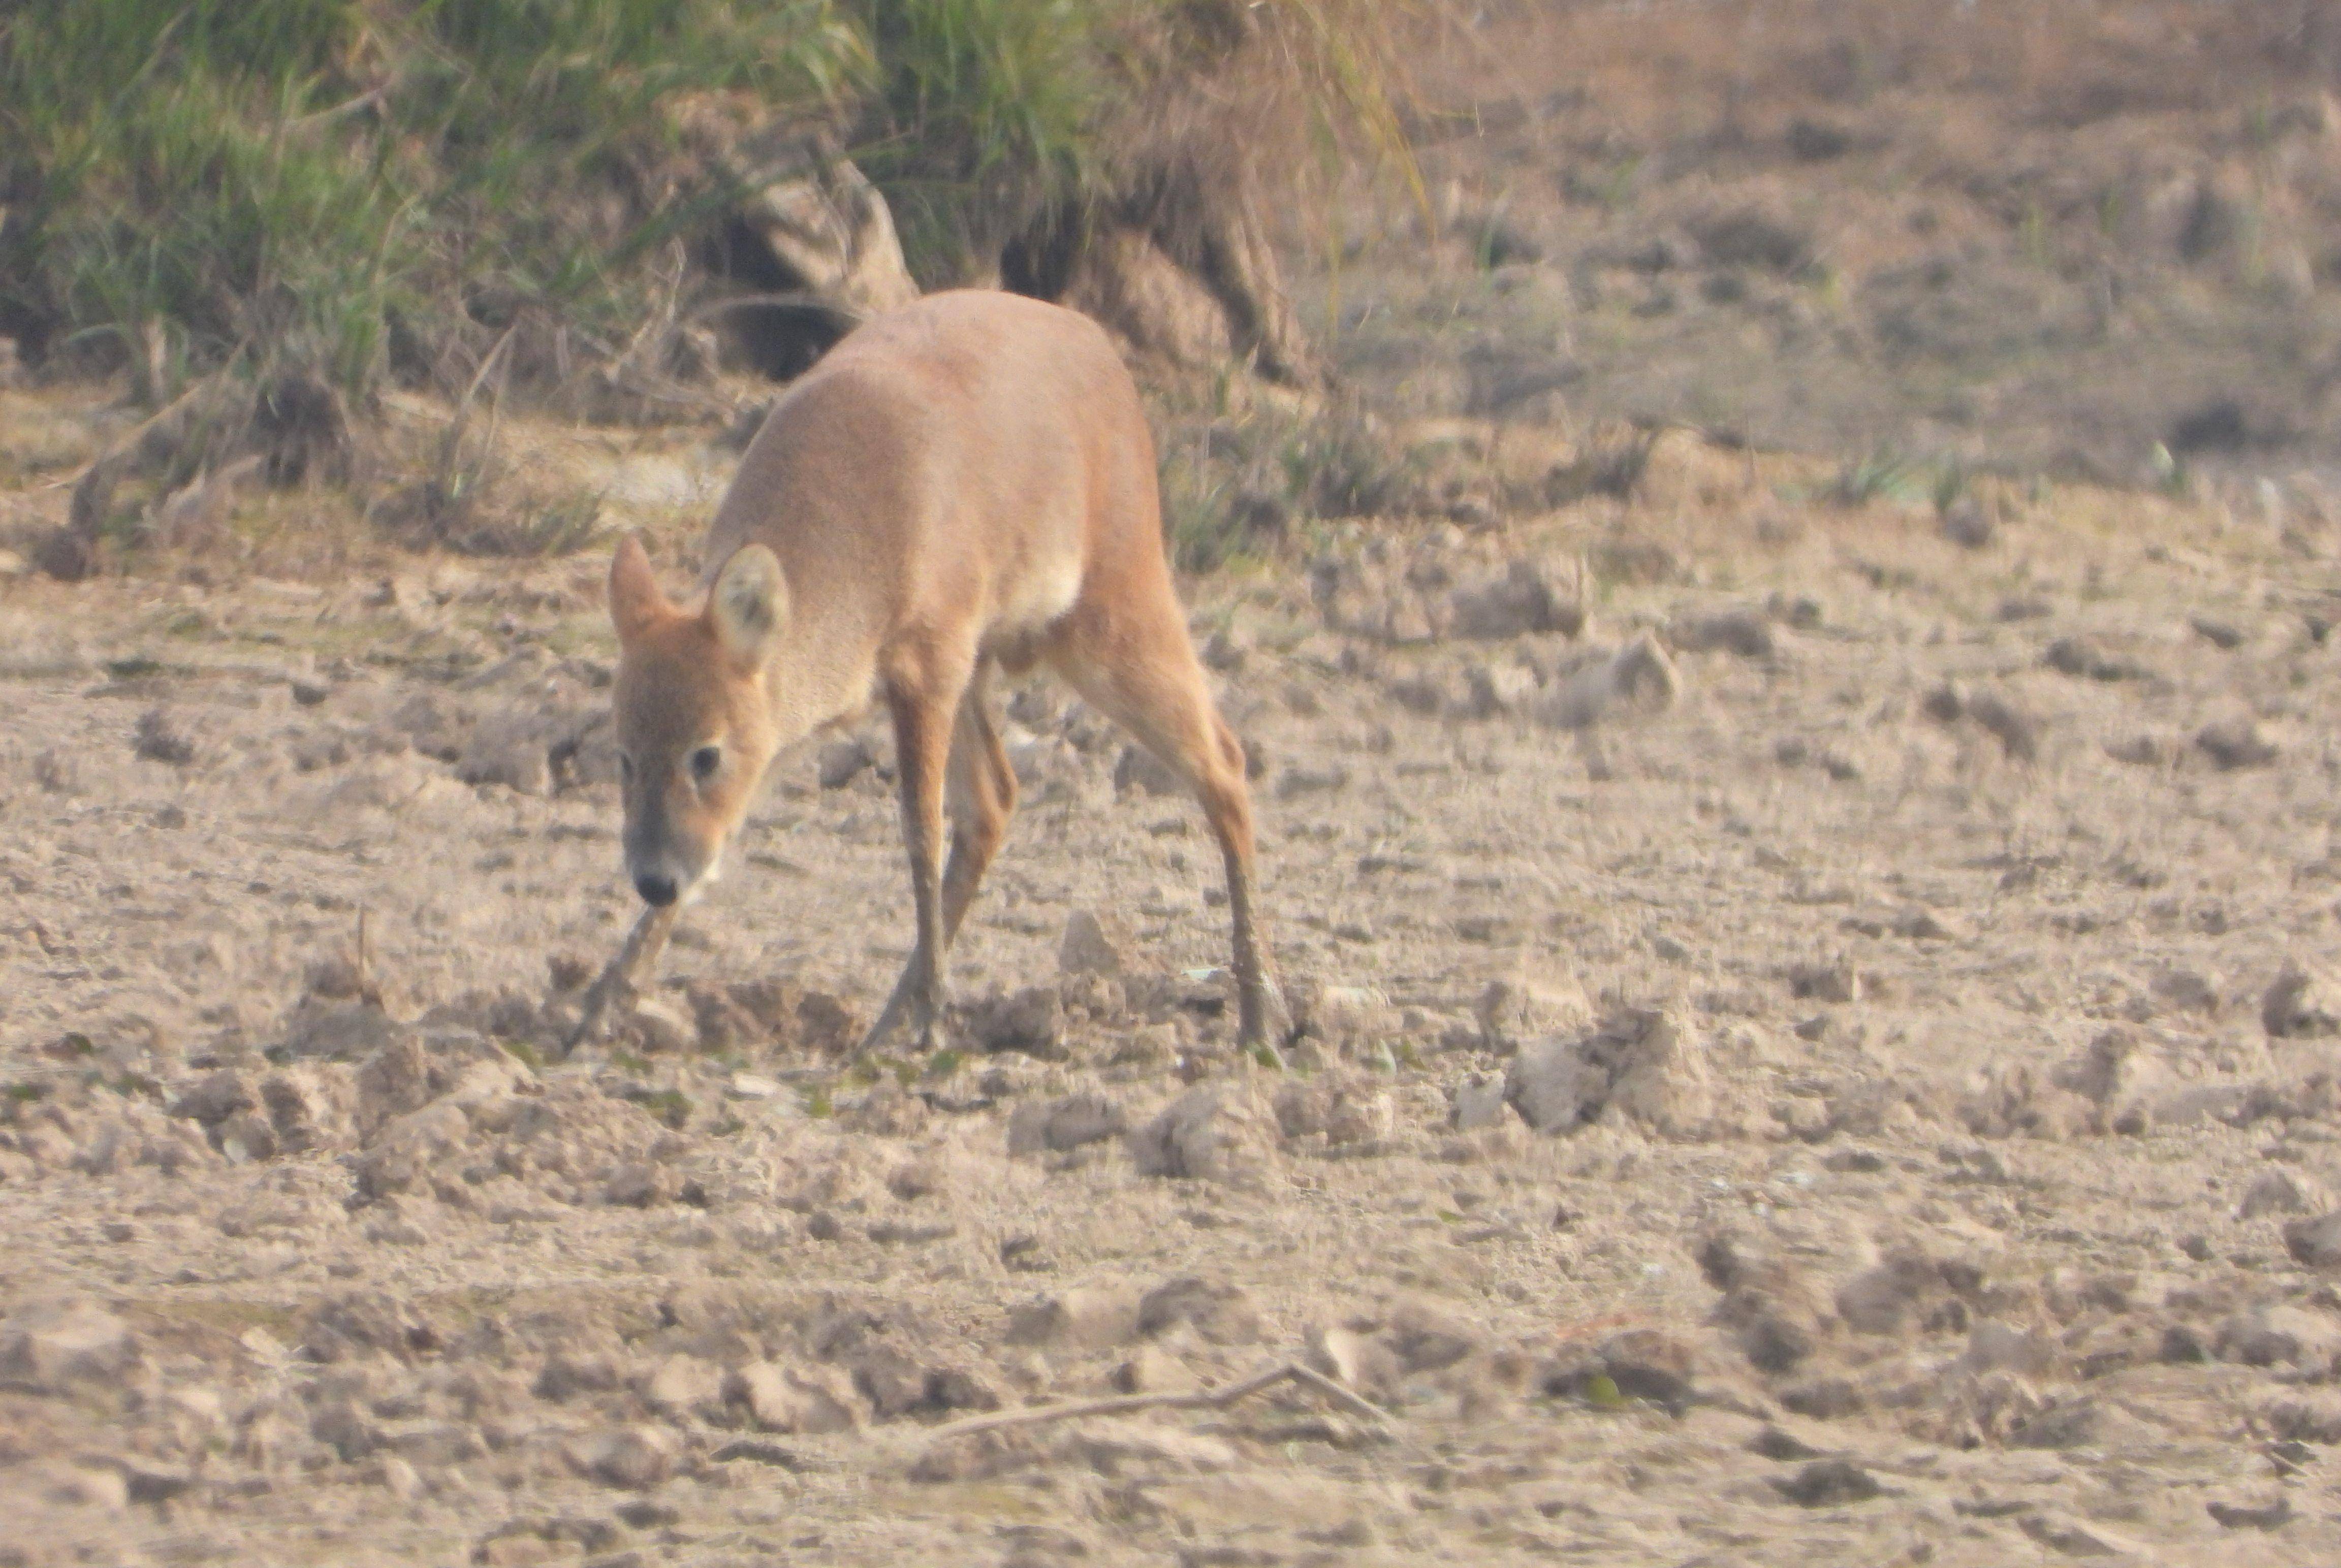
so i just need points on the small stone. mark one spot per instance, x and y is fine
(2060, 1533)
(1512, 1012)
(49, 1349)
(1659, 1073)
(1139, 768)
(841, 762)
(1084, 1318)
(2115, 1074)
(635, 1457)
(159, 739)
(1478, 1103)
(217, 1097)
(89, 1486)
(1639, 1363)
(2282, 1191)
(1220, 1313)
(1520, 601)
(512, 747)
(640, 1183)
(2018, 731)
(809, 1400)
(2315, 1242)
(1836, 980)
(1341, 1107)
(1151, 1369)
(1777, 1442)
(1213, 1133)
(1223, 653)
(1032, 1021)
(1295, 782)
(2270, 1515)
(1996, 1347)
(682, 1386)
(1554, 1086)
(1827, 1483)
(2068, 1424)
(664, 1026)
(399, 1478)
(2219, 634)
(1777, 1316)
(1351, 1013)
(2236, 744)
(1093, 943)
(1881, 1299)
(1489, 690)
(1968, 524)
(758, 1451)
(2274, 1334)
(1354, 1360)
(1065, 1122)
(2307, 1417)
(1641, 674)
(2300, 1003)
(1745, 632)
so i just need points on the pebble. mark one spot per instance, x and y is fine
(2236, 744)
(1066, 1122)
(2300, 1003)
(841, 762)
(635, 1457)
(1827, 1483)
(1092, 944)
(2315, 1241)
(50, 1348)
(1220, 1313)
(1214, 1133)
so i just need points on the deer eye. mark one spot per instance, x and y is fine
(625, 767)
(705, 761)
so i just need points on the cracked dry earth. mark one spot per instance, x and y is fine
(1832, 1062)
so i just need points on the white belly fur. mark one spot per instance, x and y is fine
(1038, 599)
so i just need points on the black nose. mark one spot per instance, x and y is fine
(655, 888)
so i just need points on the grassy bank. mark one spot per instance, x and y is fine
(373, 191)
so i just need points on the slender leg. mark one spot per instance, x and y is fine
(1151, 684)
(922, 752)
(1264, 1022)
(983, 795)
(624, 970)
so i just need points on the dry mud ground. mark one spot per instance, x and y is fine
(1845, 1113)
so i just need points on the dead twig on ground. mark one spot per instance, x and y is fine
(1218, 1398)
(635, 958)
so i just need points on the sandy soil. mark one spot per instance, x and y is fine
(1799, 1073)
(2020, 236)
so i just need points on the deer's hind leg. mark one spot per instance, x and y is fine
(982, 796)
(1136, 664)
(980, 789)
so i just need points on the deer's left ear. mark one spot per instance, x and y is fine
(748, 605)
(636, 600)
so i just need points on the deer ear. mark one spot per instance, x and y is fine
(636, 600)
(748, 605)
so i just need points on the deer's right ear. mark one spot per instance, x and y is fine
(636, 600)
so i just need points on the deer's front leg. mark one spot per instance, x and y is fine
(923, 733)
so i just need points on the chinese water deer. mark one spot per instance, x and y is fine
(966, 482)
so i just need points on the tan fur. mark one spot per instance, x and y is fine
(964, 482)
